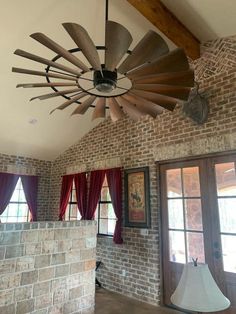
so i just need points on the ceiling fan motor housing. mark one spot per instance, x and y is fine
(105, 81)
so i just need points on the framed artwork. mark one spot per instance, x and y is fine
(137, 208)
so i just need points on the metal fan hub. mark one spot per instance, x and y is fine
(106, 81)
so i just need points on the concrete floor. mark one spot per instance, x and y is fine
(113, 303)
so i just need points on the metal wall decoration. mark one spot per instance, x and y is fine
(196, 107)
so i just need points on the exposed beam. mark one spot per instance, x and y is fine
(169, 25)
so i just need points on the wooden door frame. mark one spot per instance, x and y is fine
(223, 154)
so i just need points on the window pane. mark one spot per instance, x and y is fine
(111, 213)
(3, 219)
(22, 219)
(103, 226)
(22, 196)
(174, 186)
(15, 196)
(191, 182)
(105, 181)
(73, 196)
(103, 210)
(175, 214)
(193, 214)
(23, 210)
(229, 252)
(105, 195)
(73, 211)
(5, 213)
(225, 179)
(107, 211)
(107, 226)
(177, 247)
(227, 213)
(12, 219)
(111, 226)
(195, 246)
(12, 210)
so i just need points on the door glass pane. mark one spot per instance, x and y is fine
(229, 252)
(174, 186)
(227, 213)
(177, 247)
(175, 214)
(193, 214)
(195, 246)
(225, 179)
(191, 181)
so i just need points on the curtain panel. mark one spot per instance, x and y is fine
(95, 186)
(81, 193)
(87, 200)
(8, 183)
(114, 180)
(67, 182)
(30, 187)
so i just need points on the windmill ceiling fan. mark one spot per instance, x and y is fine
(144, 81)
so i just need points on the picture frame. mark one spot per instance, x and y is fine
(137, 202)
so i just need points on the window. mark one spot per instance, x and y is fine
(17, 209)
(72, 212)
(104, 215)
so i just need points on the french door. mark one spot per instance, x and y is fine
(198, 216)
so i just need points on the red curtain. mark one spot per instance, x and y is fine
(81, 192)
(7, 186)
(114, 180)
(30, 187)
(66, 187)
(95, 186)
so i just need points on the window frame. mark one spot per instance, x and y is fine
(28, 217)
(97, 212)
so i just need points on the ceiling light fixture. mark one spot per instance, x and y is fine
(144, 81)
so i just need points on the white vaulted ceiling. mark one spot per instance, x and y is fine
(52, 134)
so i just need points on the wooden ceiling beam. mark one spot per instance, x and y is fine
(169, 25)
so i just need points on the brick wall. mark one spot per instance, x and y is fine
(141, 143)
(47, 267)
(43, 170)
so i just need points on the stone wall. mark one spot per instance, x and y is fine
(47, 267)
(138, 144)
(41, 168)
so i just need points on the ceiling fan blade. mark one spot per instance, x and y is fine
(183, 78)
(144, 105)
(85, 43)
(49, 43)
(55, 94)
(174, 61)
(82, 108)
(149, 48)
(115, 111)
(133, 112)
(33, 57)
(117, 41)
(28, 85)
(46, 74)
(70, 101)
(177, 92)
(161, 100)
(100, 108)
